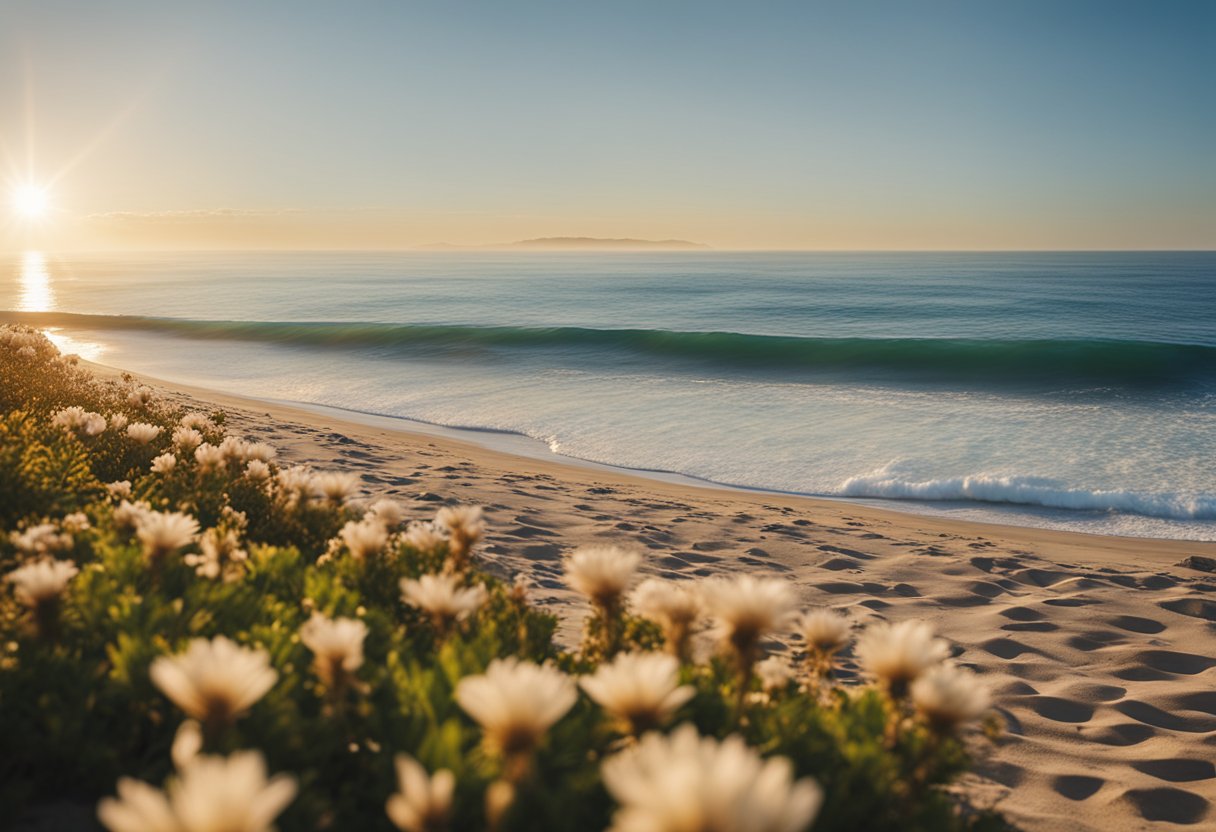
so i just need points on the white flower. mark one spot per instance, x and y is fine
(75, 522)
(128, 514)
(41, 581)
(214, 681)
(196, 421)
(140, 396)
(335, 486)
(443, 598)
(686, 783)
(389, 512)
(186, 439)
(259, 452)
(257, 470)
(43, 539)
(79, 420)
(142, 432)
(948, 696)
(673, 607)
(337, 645)
(296, 483)
(163, 532)
(824, 631)
(220, 555)
(641, 689)
(423, 537)
(27, 352)
(421, 804)
(516, 703)
(232, 449)
(211, 794)
(208, 457)
(464, 527)
(747, 609)
(898, 654)
(119, 421)
(364, 538)
(774, 673)
(118, 490)
(602, 573)
(164, 464)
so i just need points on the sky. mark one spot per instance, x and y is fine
(1060, 124)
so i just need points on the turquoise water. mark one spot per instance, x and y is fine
(1074, 390)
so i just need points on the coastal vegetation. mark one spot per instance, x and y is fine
(199, 637)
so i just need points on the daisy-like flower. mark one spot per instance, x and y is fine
(295, 483)
(948, 696)
(214, 681)
(337, 646)
(422, 803)
(825, 633)
(140, 397)
(164, 532)
(389, 512)
(196, 421)
(335, 487)
(164, 464)
(43, 539)
(39, 586)
(257, 470)
(210, 794)
(774, 673)
(423, 537)
(119, 490)
(364, 538)
(128, 514)
(75, 523)
(259, 451)
(208, 457)
(683, 782)
(220, 555)
(465, 528)
(602, 573)
(232, 449)
(119, 421)
(79, 420)
(642, 690)
(443, 598)
(673, 607)
(516, 703)
(747, 609)
(142, 432)
(186, 439)
(897, 654)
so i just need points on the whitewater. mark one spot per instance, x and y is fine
(1068, 390)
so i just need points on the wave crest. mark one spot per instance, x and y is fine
(1030, 491)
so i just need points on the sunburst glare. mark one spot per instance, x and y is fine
(30, 201)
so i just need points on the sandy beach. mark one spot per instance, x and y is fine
(1100, 650)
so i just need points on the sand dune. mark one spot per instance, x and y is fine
(1101, 651)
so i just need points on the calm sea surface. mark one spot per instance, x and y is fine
(1073, 390)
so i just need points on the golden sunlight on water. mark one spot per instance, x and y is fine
(34, 287)
(34, 294)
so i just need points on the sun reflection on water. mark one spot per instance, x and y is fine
(34, 289)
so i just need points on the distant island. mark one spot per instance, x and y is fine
(581, 244)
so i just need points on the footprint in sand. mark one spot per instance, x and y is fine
(1077, 786)
(1168, 804)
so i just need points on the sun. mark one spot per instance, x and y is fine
(31, 202)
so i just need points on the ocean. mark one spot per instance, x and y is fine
(1068, 390)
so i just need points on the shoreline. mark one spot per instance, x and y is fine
(518, 446)
(1099, 650)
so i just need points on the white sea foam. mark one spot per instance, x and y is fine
(1030, 491)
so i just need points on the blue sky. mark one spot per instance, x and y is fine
(760, 125)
